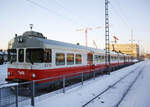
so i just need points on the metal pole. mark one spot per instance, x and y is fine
(107, 50)
(33, 94)
(64, 83)
(0, 96)
(94, 75)
(86, 39)
(82, 78)
(17, 95)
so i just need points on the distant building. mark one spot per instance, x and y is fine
(130, 49)
(147, 55)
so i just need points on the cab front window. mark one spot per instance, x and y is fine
(35, 55)
(12, 55)
(21, 55)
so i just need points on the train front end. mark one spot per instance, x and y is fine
(25, 57)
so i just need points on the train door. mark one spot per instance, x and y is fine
(90, 61)
(21, 72)
(90, 58)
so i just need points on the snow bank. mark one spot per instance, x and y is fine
(3, 73)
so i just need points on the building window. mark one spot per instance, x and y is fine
(70, 59)
(78, 59)
(60, 59)
(21, 55)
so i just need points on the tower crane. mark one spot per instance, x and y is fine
(114, 42)
(85, 30)
(94, 43)
(115, 39)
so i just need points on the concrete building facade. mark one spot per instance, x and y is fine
(130, 49)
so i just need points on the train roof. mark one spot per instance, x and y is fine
(69, 45)
(36, 39)
(32, 39)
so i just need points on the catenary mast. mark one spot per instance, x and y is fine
(107, 50)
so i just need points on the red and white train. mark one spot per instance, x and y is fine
(33, 57)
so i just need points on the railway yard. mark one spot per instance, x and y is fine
(75, 53)
(125, 87)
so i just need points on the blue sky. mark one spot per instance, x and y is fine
(61, 17)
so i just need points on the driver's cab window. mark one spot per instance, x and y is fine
(12, 55)
(21, 55)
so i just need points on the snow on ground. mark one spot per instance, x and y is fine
(115, 93)
(78, 96)
(3, 73)
(139, 95)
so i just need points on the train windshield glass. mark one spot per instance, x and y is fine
(12, 55)
(35, 55)
(21, 55)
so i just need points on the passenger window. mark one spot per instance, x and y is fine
(70, 59)
(48, 55)
(60, 59)
(112, 58)
(97, 58)
(102, 60)
(21, 55)
(78, 59)
(115, 58)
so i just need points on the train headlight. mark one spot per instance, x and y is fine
(33, 75)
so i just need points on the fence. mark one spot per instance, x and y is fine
(11, 95)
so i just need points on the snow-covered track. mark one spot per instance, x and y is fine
(111, 86)
(126, 92)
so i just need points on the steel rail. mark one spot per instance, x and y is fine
(124, 95)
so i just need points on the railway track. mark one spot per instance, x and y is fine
(114, 84)
(11, 95)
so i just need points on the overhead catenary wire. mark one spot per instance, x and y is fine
(121, 16)
(50, 10)
(124, 19)
(122, 12)
(60, 4)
